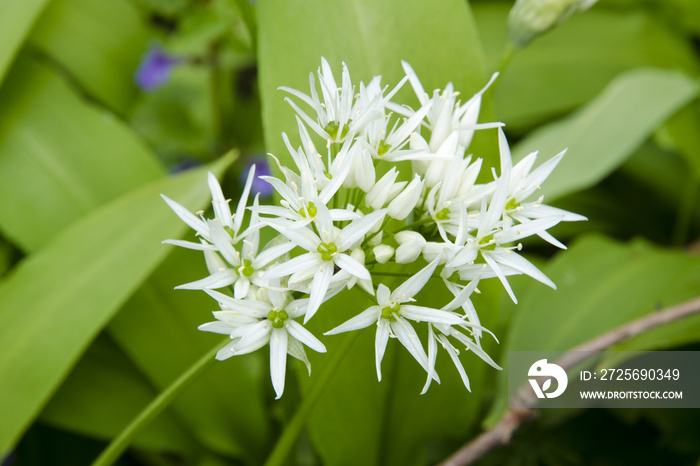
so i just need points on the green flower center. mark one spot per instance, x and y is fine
(390, 312)
(309, 211)
(484, 243)
(327, 250)
(443, 214)
(332, 129)
(383, 148)
(512, 204)
(277, 318)
(247, 269)
(229, 230)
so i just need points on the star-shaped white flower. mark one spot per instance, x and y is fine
(391, 314)
(326, 250)
(254, 324)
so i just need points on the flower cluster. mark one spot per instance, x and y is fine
(349, 208)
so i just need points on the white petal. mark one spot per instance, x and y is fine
(272, 253)
(215, 281)
(351, 266)
(190, 245)
(432, 357)
(408, 338)
(360, 321)
(413, 285)
(241, 287)
(380, 341)
(499, 273)
(186, 216)
(452, 351)
(303, 262)
(222, 211)
(300, 333)
(425, 314)
(518, 262)
(278, 360)
(319, 287)
(240, 209)
(222, 241)
(357, 229)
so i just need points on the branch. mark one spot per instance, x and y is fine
(524, 401)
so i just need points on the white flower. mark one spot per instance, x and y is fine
(391, 314)
(243, 270)
(324, 252)
(222, 212)
(254, 324)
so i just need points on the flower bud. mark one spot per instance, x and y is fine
(383, 253)
(530, 18)
(364, 171)
(410, 246)
(432, 250)
(378, 195)
(403, 204)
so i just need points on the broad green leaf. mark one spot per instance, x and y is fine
(98, 43)
(438, 38)
(60, 158)
(157, 328)
(574, 62)
(103, 392)
(601, 285)
(57, 299)
(602, 135)
(16, 20)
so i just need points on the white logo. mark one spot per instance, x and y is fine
(543, 369)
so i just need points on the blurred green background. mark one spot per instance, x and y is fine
(106, 104)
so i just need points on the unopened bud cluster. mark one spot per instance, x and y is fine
(349, 211)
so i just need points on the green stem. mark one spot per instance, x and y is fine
(115, 449)
(293, 429)
(417, 223)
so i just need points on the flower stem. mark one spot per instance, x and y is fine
(292, 431)
(417, 223)
(115, 449)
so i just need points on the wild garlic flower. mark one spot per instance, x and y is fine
(351, 212)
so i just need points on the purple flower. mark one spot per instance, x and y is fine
(261, 169)
(154, 69)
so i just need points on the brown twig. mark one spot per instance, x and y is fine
(523, 402)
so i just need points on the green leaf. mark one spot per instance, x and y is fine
(57, 299)
(60, 158)
(573, 63)
(157, 328)
(16, 20)
(98, 43)
(437, 38)
(602, 135)
(103, 393)
(601, 285)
